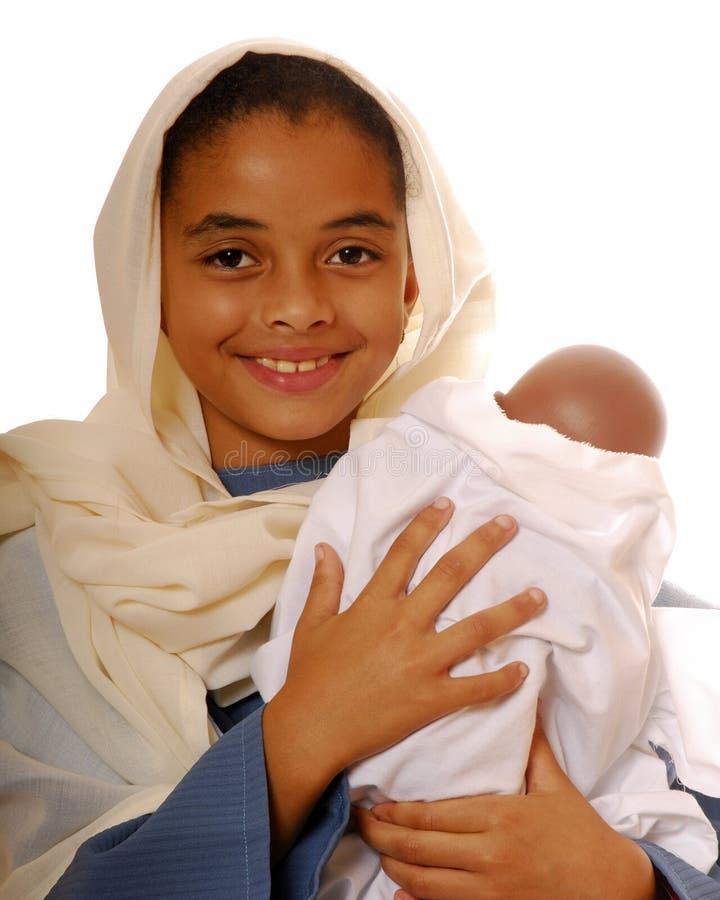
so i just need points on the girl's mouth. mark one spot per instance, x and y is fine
(294, 376)
(288, 367)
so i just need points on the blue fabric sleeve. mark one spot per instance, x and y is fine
(687, 882)
(672, 595)
(298, 876)
(209, 839)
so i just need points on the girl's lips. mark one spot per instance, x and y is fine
(288, 367)
(293, 382)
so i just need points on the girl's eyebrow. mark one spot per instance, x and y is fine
(221, 221)
(363, 217)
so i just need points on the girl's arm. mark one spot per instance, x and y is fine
(547, 843)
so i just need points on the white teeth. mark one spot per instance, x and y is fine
(288, 367)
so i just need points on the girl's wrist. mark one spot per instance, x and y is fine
(298, 768)
(295, 729)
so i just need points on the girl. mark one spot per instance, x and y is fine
(269, 238)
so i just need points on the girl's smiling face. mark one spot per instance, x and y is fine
(286, 282)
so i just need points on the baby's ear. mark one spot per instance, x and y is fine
(502, 401)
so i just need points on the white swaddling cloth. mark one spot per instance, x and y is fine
(595, 532)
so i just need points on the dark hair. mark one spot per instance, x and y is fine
(294, 86)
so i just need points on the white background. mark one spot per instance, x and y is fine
(582, 138)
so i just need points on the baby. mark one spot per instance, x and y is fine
(569, 453)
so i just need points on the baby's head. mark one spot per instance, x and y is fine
(286, 270)
(594, 395)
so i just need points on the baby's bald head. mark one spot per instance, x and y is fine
(594, 395)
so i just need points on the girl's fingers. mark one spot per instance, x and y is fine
(422, 848)
(431, 883)
(476, 631)
(395, 571)
(459, 815)
(472, 690)
(428, 864)
(325, 589)
(456, 567)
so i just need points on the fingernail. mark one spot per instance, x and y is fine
(505, 522)
(537, 597)
(441, 503)
(319, 552)
(523, 671)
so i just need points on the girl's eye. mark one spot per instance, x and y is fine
(232, 258)
(352, 256)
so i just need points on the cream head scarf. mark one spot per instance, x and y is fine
(163, 582)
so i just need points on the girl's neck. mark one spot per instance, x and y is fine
(232, 448)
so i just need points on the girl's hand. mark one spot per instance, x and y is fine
(369, 676)
(549, 843)
(363, 679)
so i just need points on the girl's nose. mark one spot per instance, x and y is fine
(298, 301)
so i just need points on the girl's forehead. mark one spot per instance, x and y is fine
(267, 163)
(261, 132)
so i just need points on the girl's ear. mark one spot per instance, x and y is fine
(163, 326)
(411, 291)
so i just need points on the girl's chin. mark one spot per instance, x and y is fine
(283, 429)
(303, 439)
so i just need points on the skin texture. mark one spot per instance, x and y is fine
(251, 268)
